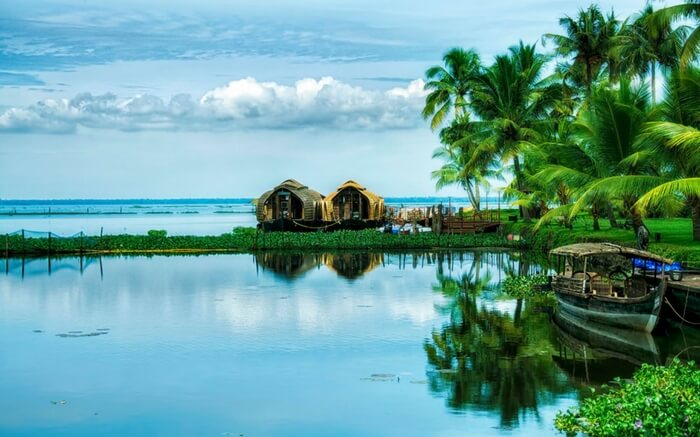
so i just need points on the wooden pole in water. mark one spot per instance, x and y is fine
(7, 245)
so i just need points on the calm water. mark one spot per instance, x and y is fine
(351, 344)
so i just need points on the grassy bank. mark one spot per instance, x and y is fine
(245, 240)
(675, 236)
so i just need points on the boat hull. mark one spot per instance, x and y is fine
(685, 304)
(289, 225)
(640, 314)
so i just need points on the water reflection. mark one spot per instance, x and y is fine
(489, 359)
(593, 354)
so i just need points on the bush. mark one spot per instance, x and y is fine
(157, 233)
(663, 401)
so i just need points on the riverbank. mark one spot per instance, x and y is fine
(247, 240)
(674, 237)
(674, 241)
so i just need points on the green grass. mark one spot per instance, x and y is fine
(676, 236)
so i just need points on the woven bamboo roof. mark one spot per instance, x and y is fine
(305, 193)
(352, 184)
(587, 249)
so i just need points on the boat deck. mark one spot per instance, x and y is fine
(690, 282)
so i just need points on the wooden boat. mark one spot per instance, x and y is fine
(610, 284)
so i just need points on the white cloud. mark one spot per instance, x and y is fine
(325, 103)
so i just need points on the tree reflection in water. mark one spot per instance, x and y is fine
(487, 359)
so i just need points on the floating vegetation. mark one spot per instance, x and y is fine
(380, 377)
(525, 286)
(102, 329)
(249, 240)
(364, 306)
(421, 381)
(74, 334)
(37, 331)
(61, 402)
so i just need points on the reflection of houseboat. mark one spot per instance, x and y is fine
(352, 206)
(288, 265)
(599, 282)
(352, 265)
(290, 206)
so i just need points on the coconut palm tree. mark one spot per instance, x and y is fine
(463, 166)
(689, 10)
(512, 99)
(450, 85)
(676, 141)
(610, 129)
(587, 44)
(651, 39)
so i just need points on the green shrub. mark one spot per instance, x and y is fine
(157, 233)
(660, 401)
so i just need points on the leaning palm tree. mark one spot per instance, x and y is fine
(450, 85)
(462, 165)
(649, 41)
(512, 100)
(587, 42)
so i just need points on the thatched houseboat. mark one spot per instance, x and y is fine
(352, 206)
(290, 206)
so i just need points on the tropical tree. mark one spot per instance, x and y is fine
(689, 10)
(512, 100)
(650, 40)
(462, 165)
(610, 129)
(676, 141)
(450, 85)
(587, 44)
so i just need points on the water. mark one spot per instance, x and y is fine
(288, 344)
(138, 216)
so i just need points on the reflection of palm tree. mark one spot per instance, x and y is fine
(487, 359)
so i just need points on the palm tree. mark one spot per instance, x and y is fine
(512, 99)
(651, 40)
(587, 43)
(676, 141)
(610, 129)
(450, 85)
(689, 10)
(463, 166)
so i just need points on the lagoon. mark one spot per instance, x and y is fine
(283, 344)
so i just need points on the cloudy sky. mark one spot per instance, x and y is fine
(175, 98)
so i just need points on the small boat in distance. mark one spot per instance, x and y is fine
(610, 284)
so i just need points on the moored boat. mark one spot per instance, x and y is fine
(611, 284)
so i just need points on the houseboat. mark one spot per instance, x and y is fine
(352, 206)
(290, 206)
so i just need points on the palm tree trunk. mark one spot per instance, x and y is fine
(524, 212)
(695, 216)
(595, 213)
(611, 214)
(473, 199)
(653, 82)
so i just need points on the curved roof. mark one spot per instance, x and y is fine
(588, 249)
(352, 184)
(308, 197)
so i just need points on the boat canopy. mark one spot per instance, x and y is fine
(588, 249)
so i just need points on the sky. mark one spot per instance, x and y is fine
(182, 99)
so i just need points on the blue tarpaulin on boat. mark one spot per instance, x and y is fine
(653, 265)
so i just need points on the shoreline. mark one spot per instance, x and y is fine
(249, 240)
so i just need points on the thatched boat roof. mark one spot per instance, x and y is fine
(374, 198)
(587, 249)
(308, 197)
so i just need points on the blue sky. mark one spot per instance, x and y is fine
(225, 99)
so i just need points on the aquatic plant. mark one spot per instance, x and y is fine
(519, 286)
(660, 400)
